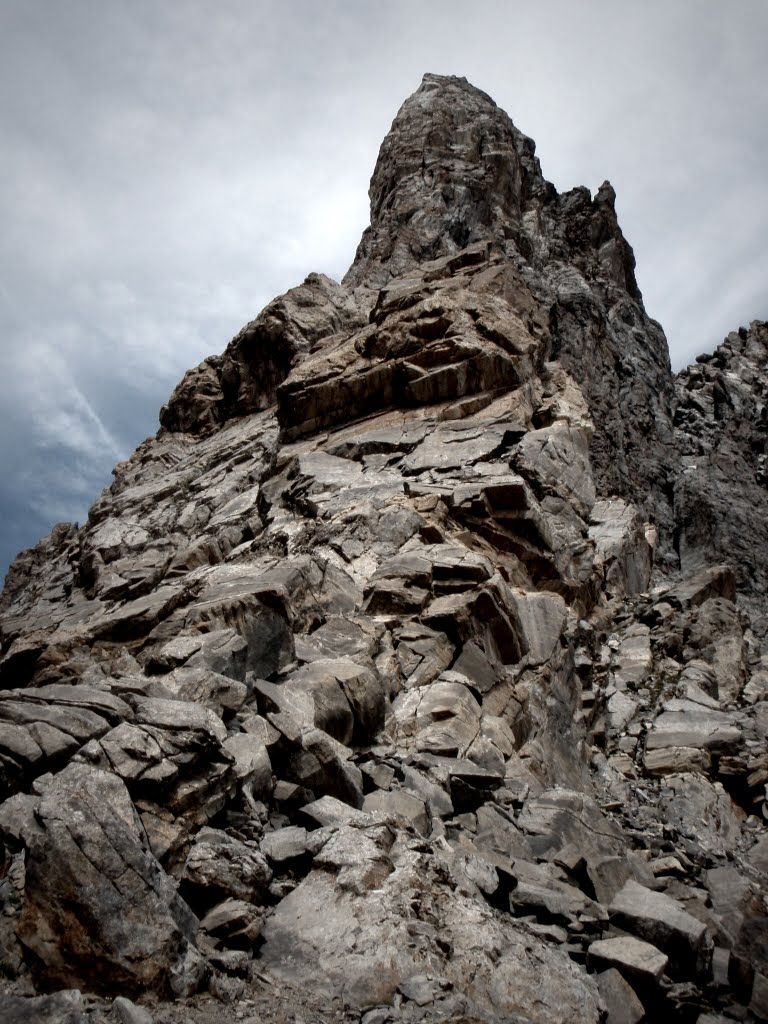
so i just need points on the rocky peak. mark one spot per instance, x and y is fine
(455, 176)
(245, 378)
(453, 170)
(721, 421)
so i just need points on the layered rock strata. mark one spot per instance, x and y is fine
(357, 694)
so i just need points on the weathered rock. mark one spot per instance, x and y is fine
(620, 999)
(127, 1012)
(234, 922)
(306, 942)
(539, 892)
(621, 538)
(219, 865)
(663, 922)
(245, 378)
(631, 956)
(693, 726)
(285, 845)
(66, 1007)
(98, 908)
(330, 811)
(399, 805)
(720, 423)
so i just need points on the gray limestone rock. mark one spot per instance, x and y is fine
(399, 805)
(218, 865)
(306, 942)
(233, 922)
(720, 422)
(631, 956)
(127, 1012)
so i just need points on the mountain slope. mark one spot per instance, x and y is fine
(357, 681)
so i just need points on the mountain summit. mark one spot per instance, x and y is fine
(415, 669)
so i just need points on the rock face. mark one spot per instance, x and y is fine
(360, 684)
(721, 418)
(454, 170)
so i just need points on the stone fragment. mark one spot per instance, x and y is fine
(662, 921)
(330, 811)
(608, 875)
(198, 684)
(442, 718)
(558, 455)
(559, 817)
(319, 763)
(714, 581)
(418, 989)
(422, 653)
(219, 864)
(618, 531)
(629, 955)
(539, 892)
(128, 1012)
(758, 1004)
(66, 1007)
(671, 760)
(541, 617)
(397, 804)
(234, 922)
(695, 727)
(701, 809)
(285, 845)
(251, 761)
(620, 999)
(359, 856)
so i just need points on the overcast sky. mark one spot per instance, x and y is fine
(169, 167)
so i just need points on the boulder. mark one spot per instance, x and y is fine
(629, 956)
(664, 923)
(98, 908)
(218, 865)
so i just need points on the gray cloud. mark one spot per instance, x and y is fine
(169, 168)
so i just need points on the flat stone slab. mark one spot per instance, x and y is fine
(662, 921)
(669, 760)
(713, 730)
(396, 804)
(626, 953)
(285, 844)
(330, 811)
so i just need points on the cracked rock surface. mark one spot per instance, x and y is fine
(416, 669)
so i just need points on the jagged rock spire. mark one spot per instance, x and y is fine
(453, 170)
